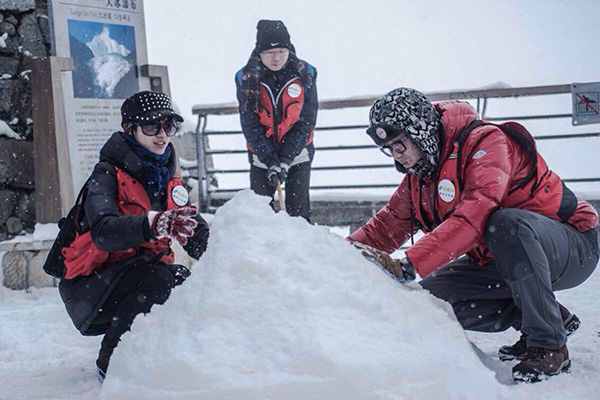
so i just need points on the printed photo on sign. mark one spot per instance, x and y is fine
(104, 60)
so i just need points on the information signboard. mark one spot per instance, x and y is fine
(106, 40)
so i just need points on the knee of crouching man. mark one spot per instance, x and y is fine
(501, 230)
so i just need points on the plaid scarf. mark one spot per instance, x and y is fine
(253, 73)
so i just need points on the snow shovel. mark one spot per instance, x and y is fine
(280, 196)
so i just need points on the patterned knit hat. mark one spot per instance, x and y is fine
(408, 111)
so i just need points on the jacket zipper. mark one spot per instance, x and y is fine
(274, 139)
(275, 103)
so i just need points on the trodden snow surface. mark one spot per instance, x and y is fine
(279, 309)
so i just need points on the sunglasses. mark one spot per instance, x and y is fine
(152, 129)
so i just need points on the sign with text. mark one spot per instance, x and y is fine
(107, 41)
(586, 103)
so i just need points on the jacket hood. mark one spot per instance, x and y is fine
(456, 116)
(118, 152)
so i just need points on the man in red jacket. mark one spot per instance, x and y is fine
(483, 191)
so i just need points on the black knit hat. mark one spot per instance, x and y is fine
(271, 35)
(147, 106)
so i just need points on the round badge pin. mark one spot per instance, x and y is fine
(294, 90)
(180, 195)
(446, 190)
(381, 133)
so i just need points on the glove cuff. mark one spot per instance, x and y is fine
(285, 163)
(272, 161)
(147, 229)
(154, 225)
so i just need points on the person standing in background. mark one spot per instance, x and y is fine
(278, 105)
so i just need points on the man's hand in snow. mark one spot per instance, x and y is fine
(402, 270)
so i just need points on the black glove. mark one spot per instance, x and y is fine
(180, 273)
(284, 172)
(401, 270)
(273, 175)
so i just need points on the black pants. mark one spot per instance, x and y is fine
(297, 185)
(534, 256)
(137, 291)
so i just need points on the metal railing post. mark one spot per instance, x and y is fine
(205, 164)
(484, 109)
(201, 164)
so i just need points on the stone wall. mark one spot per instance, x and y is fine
(24, 35)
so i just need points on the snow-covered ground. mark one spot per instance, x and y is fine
(294, 315)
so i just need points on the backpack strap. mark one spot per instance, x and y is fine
(81, 200)
(514, 134)
(529, 147)
(459, 142)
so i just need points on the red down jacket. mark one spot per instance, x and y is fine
(491, 167)
(83, 256)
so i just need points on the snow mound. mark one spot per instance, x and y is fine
(280, 309)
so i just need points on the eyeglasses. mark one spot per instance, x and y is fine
(152, 129)
(396, 147)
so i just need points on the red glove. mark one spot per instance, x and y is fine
(177, 223)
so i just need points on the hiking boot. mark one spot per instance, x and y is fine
(570, 321)
(540, 364)
(102, 363)
(515, 352)
(518, 350)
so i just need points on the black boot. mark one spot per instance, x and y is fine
(102, 363)
(570, 321)
(518, 350)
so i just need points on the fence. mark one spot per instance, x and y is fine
(343, 211)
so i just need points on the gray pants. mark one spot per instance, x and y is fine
(534, 256)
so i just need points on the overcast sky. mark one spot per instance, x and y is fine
(370, 47)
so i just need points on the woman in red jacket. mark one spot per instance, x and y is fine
(122, 262)
(482, 190)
